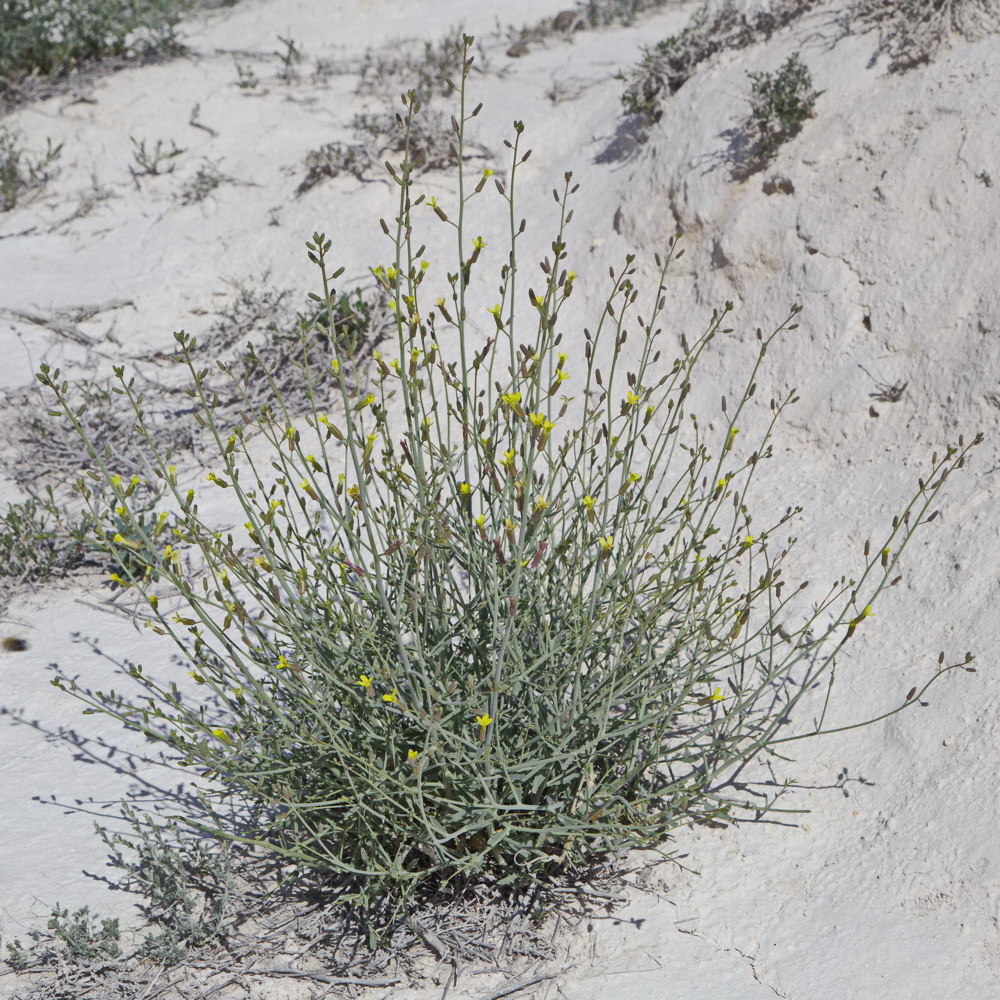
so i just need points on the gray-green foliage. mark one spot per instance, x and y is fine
(75, 937)
(377, 136)
(717, 25)
(36, 541)
(185, 883)
(425, 67)
(186, 886)
(478, 642)
(41, 538)
(52, 36)
(912, 32)
(779, 104)
(20, 171)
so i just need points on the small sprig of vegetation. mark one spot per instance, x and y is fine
(290, 57)
(463, 640)
(153, 160)
(204, 182)
(20, 172)
(780, 103)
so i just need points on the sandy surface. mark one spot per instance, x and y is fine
(884, 229)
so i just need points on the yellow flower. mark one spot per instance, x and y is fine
(365, 681)
(607, 543)
(717, 695)
(541, 503)
(562, 375)
(465, 489)
(391, 698)
(413, 754)
(634, 477)
(481, 520)
(538, 419)
(487, 172)
(632, 399)
(508, 457)
(588, 502)
(748, 541)
(223, 735)
(479, 243)
(512, 398)
(484, 721)
(282, 662)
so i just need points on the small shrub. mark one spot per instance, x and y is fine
(716, 26)
(429, 143)
(51, 37)
(36, 542)
(912, 32)
(185, 883)
(48, 449)
(263, 344)
(426, 68)
(482, 645)
(204, 182)
(19, 171)
(72, 938)
(779, 103)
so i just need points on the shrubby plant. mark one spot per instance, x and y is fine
(187, 885)
(717, 25)
(779, 104)
(73, 937)
(424, 68)
(36, 542)
(456, 637)
(912, 32)
(376, 137)
(52, 36)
